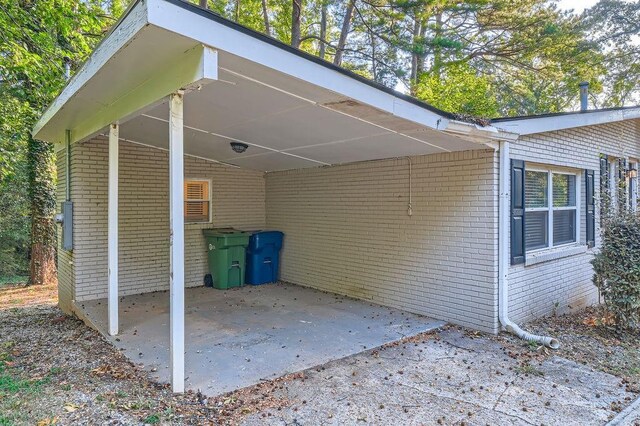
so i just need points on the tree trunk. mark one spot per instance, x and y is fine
(437, 51)
(237, 12)
(374, 63)
(43, 204)
(421, 53)
(346, 27)
(418, 55)
(296, 14)
(203, 4)
(265, 17)
(42, 270)
(413, 77)
(323, 30)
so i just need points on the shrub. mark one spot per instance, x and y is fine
(617, 268)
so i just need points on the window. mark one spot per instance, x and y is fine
(196, 201)
(550, 208)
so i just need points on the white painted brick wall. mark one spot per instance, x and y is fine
(346, 227)
(347, 231)
(238, 201)
(565, 283)
(66, 270)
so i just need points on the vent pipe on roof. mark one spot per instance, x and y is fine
(584, 96)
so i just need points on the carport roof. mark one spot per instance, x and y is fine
(293, 109)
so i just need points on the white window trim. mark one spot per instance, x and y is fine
(210, 200)
(550, 209)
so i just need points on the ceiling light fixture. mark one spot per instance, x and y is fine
(239, 147)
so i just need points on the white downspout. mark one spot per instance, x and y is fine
(504, 188)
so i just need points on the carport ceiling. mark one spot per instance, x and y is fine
(288, 126)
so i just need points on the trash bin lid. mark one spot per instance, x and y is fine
(223, 232)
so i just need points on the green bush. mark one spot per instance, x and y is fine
(617, 268)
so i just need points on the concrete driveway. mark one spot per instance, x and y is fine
(448, 378)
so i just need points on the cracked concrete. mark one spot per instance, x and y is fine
(448, 378)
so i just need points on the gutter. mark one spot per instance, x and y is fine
(477, 133)
(503, 253)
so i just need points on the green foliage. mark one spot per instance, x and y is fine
(151, 419)
(36, 37)
(10, 383)
(617, 268)
(614, 27)
(458, 88)
(14, 203)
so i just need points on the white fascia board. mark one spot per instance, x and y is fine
(528, 126)
(207, 31)
(132, 22)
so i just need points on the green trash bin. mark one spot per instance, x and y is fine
(226, 251)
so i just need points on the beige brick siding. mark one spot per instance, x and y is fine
(565, 283)
(346, 227)
(347, 231)
(66, 270)
(238, 201)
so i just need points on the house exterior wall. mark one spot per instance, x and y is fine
(66, 269)
(347, 231)
(238, 200)
(346, 227)
(565, 284)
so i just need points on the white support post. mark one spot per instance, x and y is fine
(176, 241)
(113, 228)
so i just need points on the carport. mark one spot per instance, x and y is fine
(179, 78)
(239, 337)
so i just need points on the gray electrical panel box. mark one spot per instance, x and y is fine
(67, 225)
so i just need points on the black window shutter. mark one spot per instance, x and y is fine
(517, 212)
(591, 207)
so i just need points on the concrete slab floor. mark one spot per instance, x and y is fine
(238, 337)
(449, 378)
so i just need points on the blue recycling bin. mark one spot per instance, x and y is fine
(263, 257)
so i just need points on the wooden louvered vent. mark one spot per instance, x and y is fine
(196, 201)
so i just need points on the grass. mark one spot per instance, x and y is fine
(150, 420)
(11, 384)
(529, 370)
(13, 390)
(13, 279)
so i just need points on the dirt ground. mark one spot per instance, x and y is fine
(55, 370)
(20, 295)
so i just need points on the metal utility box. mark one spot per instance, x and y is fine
(67, 225)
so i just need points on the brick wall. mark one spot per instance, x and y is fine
(565, 284)
(238, 201)
(347, 231)
(66, 269)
